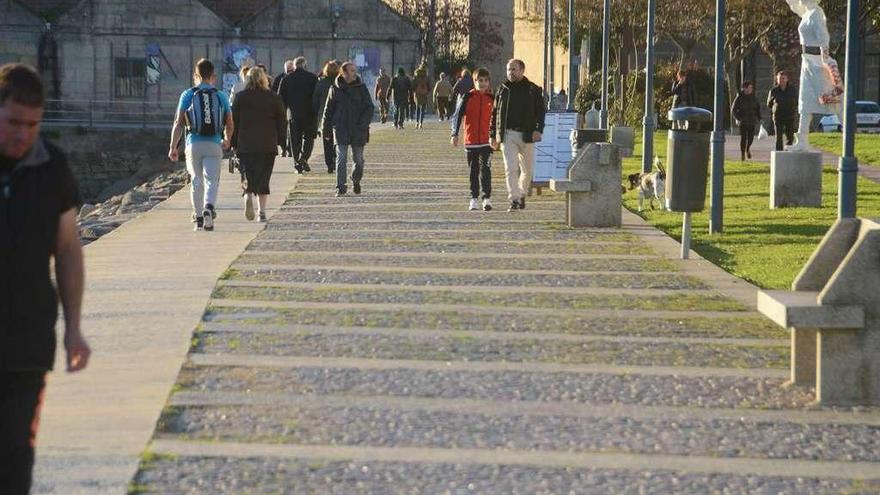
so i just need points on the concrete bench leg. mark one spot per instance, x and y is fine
(840, 379)
(803, 357)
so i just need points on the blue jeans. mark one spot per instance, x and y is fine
(357, 155)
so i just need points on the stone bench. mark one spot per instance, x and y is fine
(833, 313)
(592, 190)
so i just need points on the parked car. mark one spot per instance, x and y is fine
(867, 118)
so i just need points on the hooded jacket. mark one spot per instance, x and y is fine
(474, 110)
(531, 106)
(33, 195)
(349, 112)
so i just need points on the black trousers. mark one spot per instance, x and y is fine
(302, 142)
(285, 143)
(443, 107)
(330, 152)
(783, 126)
(21, 396)
(481, 172)
(399, 113)
(746, 138)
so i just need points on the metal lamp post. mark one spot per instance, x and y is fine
(546, 43)
(551, 78)
(716, 220)
(848, 168)
(649, 124)
(606, 36)
(572, 73)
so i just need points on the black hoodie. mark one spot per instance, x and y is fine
(349, 112)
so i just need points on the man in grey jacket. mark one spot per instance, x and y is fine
(348, 114)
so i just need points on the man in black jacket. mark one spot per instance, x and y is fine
(783, 102)
(517, 124)
(38, 203)
(347, 116)
(285, 142)
(297, 90)
(401, 87)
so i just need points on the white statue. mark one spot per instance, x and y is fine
(821, 87)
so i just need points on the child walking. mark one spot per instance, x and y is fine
(474, 110)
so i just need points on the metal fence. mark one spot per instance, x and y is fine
(118, 114)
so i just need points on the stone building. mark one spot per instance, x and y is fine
(139, 55)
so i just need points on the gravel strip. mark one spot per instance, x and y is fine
(669, 302)
(475, 261)
(285, 232)
(343, 276)
(196, 476)
(368, 426)
(303, 223)
(400, 216)
(698, 392)
(465, 347)
(746, 326)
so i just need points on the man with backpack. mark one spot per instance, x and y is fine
(207, 115)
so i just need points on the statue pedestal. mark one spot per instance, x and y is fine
(795, 179)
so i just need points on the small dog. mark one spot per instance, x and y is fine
(651, 185)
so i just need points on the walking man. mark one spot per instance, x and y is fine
(38, 208)
(401, 87)
(285, 140)
(442, 95)
(517, 124)
(783, 101)
(747, 112)
(347, 117)
(297, 89)
(206, 114)
(383, 84)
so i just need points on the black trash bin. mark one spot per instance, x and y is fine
(687, 156)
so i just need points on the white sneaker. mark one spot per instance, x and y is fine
(487, 205)
(249, 206)
(475, 204)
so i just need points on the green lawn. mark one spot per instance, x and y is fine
(766, 247)
(867, 146)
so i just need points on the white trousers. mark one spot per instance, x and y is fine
(519, 161)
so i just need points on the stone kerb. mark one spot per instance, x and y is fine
(795, 179)
(834, 316)
(592, 190)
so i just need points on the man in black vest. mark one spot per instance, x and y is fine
(38, 208)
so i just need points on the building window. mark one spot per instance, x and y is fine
(130, 77)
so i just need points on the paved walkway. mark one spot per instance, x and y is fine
(147, 286)
(395, 343)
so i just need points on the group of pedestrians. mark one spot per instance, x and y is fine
(410, 95)
(511, 120)
(783, 103)
(260, 116)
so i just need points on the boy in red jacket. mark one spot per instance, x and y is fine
(475, 111)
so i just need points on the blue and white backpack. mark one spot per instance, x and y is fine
(204, 117)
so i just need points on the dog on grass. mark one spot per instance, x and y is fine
(651, 185)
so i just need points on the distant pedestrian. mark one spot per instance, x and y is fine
(464, 84)
(239, 85)
(421, 91)
(347, 118)
(38, 209)
(399, 93)
(747, 112)
(783, 103)
(206, 114)
(474, 111)
(328, 77)
(683, 91)
(260, 124)
(443, 96)
(297, 89)
(383, 84)
(285, 143)
(517, 124)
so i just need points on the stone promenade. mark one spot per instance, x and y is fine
(395, 343)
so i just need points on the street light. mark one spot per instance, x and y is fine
(572, 73)
(649, 123)
(848, 168)
(716, 220)
(606, 35)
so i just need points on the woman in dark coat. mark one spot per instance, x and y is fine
(260, 125)
(322, 91)
(747, 112)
